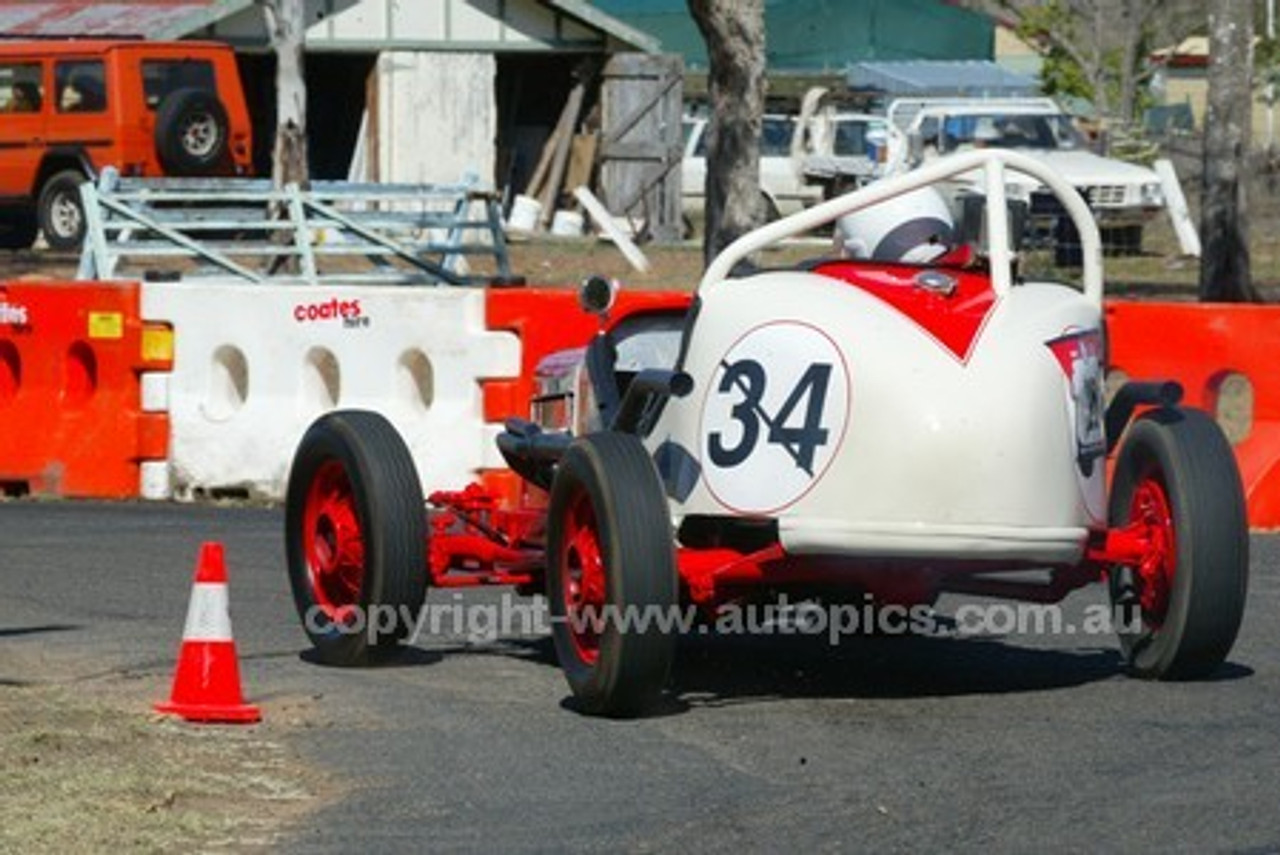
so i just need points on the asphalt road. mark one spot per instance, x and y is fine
(1016, 743)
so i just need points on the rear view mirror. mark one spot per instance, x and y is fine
(596, 295)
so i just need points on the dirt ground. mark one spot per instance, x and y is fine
(87, 769)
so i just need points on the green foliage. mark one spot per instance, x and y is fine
(1043, 27)
(1062, 75)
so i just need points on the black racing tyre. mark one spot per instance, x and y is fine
(355, 536)
(191, 132)
(60, 210)
(611, 556)
(1176, 481)
(18, 228)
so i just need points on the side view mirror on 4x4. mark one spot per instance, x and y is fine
(70, 109)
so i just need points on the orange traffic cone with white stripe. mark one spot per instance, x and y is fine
(206, 686)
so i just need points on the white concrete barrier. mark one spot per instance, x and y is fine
(255, 365)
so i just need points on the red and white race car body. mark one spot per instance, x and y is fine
(893, 410)
(867, 426)
(852, 430)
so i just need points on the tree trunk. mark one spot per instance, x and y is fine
(734, 33)
(285, 26)
(1228, 132)
(1135, 40)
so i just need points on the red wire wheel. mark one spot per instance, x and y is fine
(355, 536)
(1150, 509)
(582, 577)
(333, 544)
(1177, 488)
(611, 575)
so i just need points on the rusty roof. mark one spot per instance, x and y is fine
(154, 19)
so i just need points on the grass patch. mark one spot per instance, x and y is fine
(85, 774)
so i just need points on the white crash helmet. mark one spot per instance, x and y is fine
(915, 228)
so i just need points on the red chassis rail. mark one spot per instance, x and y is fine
(474, 542)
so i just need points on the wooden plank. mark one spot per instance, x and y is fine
(1176, 203)
(560, 161)
(539, 177)
(605, 221)
(373, 141)
(582, 160)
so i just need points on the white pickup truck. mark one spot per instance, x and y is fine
(803, 159)
(1123, 196)
(780, 181)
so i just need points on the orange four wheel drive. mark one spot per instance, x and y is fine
(68, 109)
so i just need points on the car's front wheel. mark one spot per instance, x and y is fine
(355, 536)
(611, 575)
(1178, 490)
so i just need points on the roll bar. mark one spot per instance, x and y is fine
(994, 162)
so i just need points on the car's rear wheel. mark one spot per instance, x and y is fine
(355, 532)
(1177, 487)
(610, 560)
(60, 210)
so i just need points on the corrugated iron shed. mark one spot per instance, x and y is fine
(372, 23)
(153, 19)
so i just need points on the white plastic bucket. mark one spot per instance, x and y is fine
(567, 224)
(524, 213)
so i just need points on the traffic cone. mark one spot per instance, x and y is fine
(206, 685)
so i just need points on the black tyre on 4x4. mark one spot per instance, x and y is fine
(60, 210)
(191, 132)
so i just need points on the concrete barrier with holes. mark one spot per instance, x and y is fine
(1224, 357)
(254, 366)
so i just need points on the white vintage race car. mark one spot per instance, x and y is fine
(856, 428)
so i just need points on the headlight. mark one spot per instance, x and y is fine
(1152, 194)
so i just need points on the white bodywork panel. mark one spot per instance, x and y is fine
(926, 453)
(848, 420)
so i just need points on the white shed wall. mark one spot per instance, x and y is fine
(437, 116)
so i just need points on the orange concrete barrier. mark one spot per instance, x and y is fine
(71, 417)
(1203, 346)
(546, 320)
